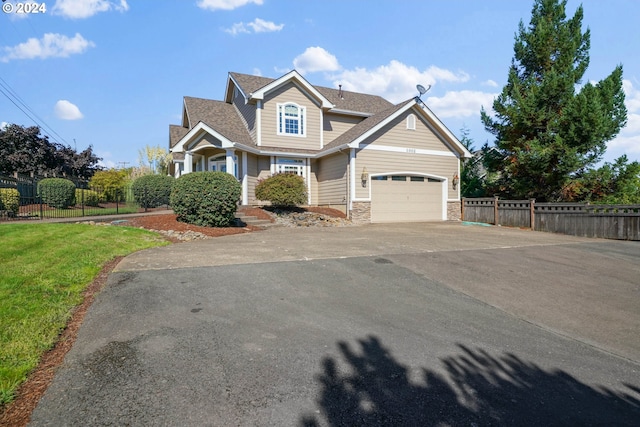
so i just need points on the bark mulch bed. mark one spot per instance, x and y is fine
(18, 412)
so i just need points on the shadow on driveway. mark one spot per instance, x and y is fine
(370, 387)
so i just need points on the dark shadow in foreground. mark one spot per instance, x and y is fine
(478, 389)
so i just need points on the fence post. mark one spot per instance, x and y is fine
(462, 209)
(532, 204)
(496, 218)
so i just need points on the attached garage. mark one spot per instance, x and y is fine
(406, 198)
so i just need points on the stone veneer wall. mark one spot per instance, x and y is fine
(454, 211)
(361, 212)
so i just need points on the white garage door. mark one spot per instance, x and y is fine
(401, 198)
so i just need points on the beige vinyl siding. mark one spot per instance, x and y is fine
(383, 162)
(335, 125)
(313, 179)
(332, 179)
(396, 134)
(269, 117)
(247, 113)
(258, 167)
(206, 141)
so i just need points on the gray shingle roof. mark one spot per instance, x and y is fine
(176, 133)
(224, 118)
(350, 101)
(218, 115)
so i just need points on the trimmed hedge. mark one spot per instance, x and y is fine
(58, 193)
(282, 189)
(207, 199)
(151, 191)
(9, 200)
(87, 197)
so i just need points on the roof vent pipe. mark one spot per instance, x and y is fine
(340, 92)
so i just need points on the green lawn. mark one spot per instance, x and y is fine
(44, 268)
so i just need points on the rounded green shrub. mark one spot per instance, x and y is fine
(87, 197)
(283, 189)
(58, 193)
(151, 191)
(206, 198)
(9, 200)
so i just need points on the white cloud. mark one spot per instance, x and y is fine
(106, 162)
(65, 110)
(3, 125)
(459, 104)
(225, 4)
(79, 9)
(236, 29)
(262, 26)
(490, 83)
(49, 46)
(257, 26)
(315, 59)
(395, 81)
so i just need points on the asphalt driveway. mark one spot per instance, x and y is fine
(428, 324)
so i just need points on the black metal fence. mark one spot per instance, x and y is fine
(89, 201)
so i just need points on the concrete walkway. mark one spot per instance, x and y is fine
(421, 324)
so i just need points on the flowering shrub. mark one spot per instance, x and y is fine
(283, 189)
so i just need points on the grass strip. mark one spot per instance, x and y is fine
(44, 269)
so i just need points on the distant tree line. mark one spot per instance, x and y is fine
(24, 150)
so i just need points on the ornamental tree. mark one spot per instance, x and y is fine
(549, 125)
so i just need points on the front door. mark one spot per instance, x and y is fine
(217, 165)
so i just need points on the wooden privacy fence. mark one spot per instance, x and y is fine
(620, 222)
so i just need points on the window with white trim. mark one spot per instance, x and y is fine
(289, 165)
(411, 122)
(291, 119)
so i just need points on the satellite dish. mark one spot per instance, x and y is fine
(422, 89)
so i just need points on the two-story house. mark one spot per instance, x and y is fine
(375, 161)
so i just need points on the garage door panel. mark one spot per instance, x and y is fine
(405, 201)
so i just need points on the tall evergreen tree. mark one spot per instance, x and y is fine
(471, 170)
(546, 130)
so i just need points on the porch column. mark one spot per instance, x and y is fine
(245, 180)
(231, 162)
(307, 172)
(259, 123)
(352, 176)
(188, 162)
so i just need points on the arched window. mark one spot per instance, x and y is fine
(291, 119)
(411, 122)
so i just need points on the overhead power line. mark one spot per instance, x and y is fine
(15, 99)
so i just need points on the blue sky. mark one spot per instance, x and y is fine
(112, 73)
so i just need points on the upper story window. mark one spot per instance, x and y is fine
(411, 122)
(291, 119)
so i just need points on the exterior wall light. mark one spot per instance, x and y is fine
(364, 177)
(455, 181)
